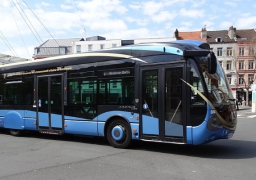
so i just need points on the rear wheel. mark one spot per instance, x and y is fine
(119, 134)
(15, 132)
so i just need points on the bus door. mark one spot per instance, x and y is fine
(50, 118)
(162, 97)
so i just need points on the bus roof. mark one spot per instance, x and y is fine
(124, 52)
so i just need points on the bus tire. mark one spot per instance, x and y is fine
(15, 132)
(119, 134)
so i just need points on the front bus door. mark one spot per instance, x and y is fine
(49, 104)
(162, 92)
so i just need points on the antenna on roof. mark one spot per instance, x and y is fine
(84, 34)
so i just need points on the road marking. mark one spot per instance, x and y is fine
(244, 116)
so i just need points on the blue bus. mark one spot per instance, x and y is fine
(172, 92)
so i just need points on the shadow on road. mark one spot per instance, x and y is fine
(220, 149)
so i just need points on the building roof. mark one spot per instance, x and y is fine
(223, 34)
(193, 35)
(244, 34)
(60, 42)
(249, 34)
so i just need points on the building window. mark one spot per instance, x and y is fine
(219, 51)
(251, 51)
(250, 65)
(90, 47)
(102, 46)
(36, 51)
(78, 48)
(113, 45)
(241, 65)
(62, 50)
(229, 79)
(229, 51)
(218, 39)
(250, 79)
(241, 51)
(229, 65)
(241, 79)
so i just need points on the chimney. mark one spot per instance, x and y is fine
(203, 33)
(232, 32)
(176, 34)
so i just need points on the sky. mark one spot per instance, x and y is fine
(26, 24)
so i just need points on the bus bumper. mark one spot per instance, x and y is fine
(201, 135)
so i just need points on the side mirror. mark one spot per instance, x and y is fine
(212, 63)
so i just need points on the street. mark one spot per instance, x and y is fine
(37, 156)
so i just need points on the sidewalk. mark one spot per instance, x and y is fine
(242, 107)
(245, 110)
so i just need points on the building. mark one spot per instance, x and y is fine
(246, 60)
(94, 43)
(97, 42)
(54, 47)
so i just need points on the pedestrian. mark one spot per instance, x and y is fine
(237, 108)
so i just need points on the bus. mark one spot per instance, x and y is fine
(171, 92)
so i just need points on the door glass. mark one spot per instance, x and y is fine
(56, 95)
(55, 102)
(173, 102)
(43, 94)
(149, 93)
(150, 121)
(43, 101)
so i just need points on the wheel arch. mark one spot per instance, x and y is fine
(14, 120)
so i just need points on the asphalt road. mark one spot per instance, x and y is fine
(40, 157)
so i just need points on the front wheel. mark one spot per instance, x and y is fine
(119, 134)
(15, 132)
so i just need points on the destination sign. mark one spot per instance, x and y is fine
(114, 73)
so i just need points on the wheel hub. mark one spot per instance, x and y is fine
(118, 133)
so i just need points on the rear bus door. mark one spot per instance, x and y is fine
(161, 105)
(49, 99)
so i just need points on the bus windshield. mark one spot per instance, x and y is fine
(216, 83)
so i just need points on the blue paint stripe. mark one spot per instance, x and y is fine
(171, 50)
(194, 42)
(166, 49)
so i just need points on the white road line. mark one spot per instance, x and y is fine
(252, 116)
